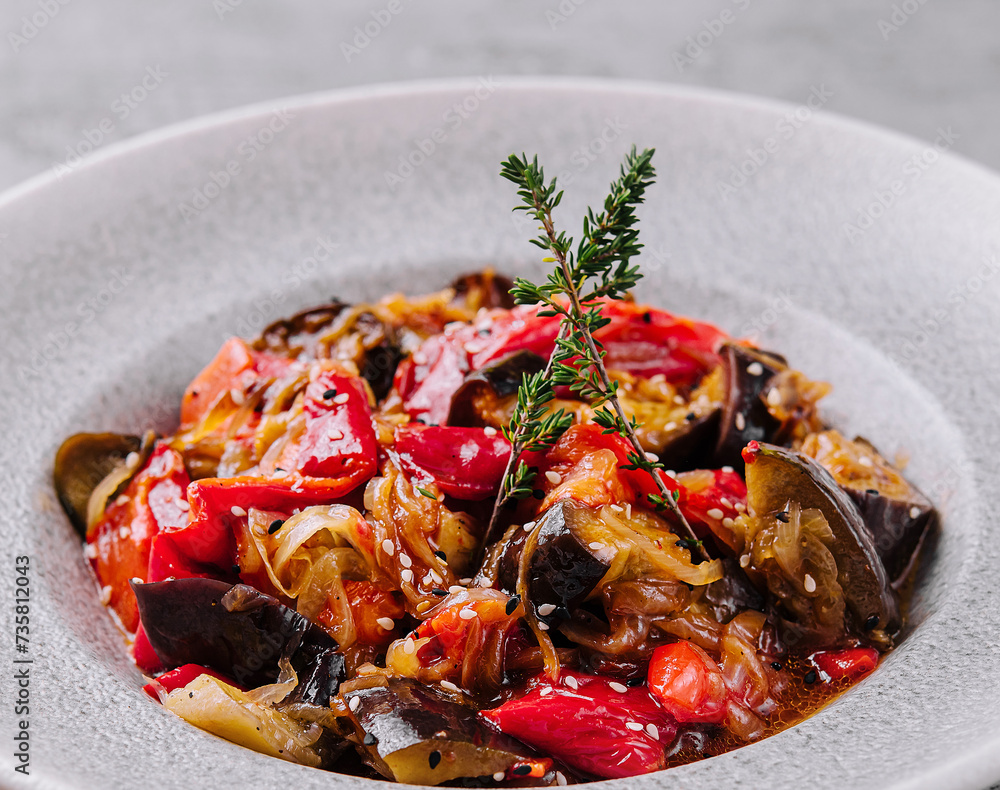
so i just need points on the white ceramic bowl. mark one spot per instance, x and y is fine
(122, 277)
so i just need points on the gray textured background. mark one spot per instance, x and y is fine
(940, 68)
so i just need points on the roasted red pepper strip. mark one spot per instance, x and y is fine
(710, 501)
(143, 654)
(852, 664)
(153, 501)
(166, 561)
(466, 463)
(594, 724)
(180, 677)
(688, 683)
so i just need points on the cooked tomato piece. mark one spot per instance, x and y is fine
(688, 683)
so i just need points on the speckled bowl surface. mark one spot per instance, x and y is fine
(869, 259)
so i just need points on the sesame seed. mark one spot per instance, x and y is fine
(388, 547)
(434, 759)
(755, 369)
(546, 609)
(342, 398)
(670, 473)
(106, 594)
(728, 523)
(543, 627)
(499, 776)
(740, 422)
(90, 551)
(447, 685)
(467, 614)
(490, 431)
(653, 731)
(634, 726)
(355, 703)
(621, 688)
(512, 603)
(571, 682)
(774, 397)
(238, 397)
(409, 646)
(652, 457)
(183, 505)
(466, 580)
(740, 507)
(561, 779)
(124, 532)
(333, 434)
(715, 513)
(406, 575)
(595, 546)
(628, 511)
(529, 526)
(436, 576)
(420, 358)
(330, 393)
(386, 623)
(546, 691)
(553, 477)
(679, 400)
(618, 508)
(275, 526)
(745, 561)
(727, 469)
(237, 511)
(122, 500)
(136, 580)
(423, 606)
(725, 502)
(670, 426)
(405, 561)
(914, 511)
(132, 459)
(809, 583)
(864, 460)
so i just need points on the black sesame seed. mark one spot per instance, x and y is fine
(776, 666)
(872, 491)
(434, 758)
(647, 317)
(690, 416)
(331, 393)
(538, 494)
(810, 676)
(438, 591)
(236, 569)
(783, 517)
(275, 526)
(369, 739)
(522, 770)
(512, 603)
(190, 695)
(871, 622)
(441, 555)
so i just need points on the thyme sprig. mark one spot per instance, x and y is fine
(600, 268)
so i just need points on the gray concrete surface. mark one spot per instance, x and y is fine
(912, 65)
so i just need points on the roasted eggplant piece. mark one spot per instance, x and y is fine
(416, 735)
(89, 461)
(484, 289)
(747, 375)
(564, 569)
(733, 593)
(482, 390)
(290, 337)
(238, 631)
(895, 512)
(778, 478)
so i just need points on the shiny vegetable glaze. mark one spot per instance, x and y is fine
(301, 566)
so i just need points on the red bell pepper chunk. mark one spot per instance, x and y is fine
(339, 439)
(466, 463)
(851, 664)
(180, 677)
(710, 498)
(589, 724)
(152, 502)
(167, 561)
(427, 380)
(688, 683)
(143, 654)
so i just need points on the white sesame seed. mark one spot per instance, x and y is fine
(427, 578)
(182, 504)
(529, 526)
(407, 576)
(122, 500)
(670, 426)
(106, 594)
(355, 703)
(774, 397)
(740, 421)
(740, 507)
(466, 580)
(652, 457)
(628, 511)
(727, 469)
(388, 547)
(553, 477)
(90, 551)
(543, 627)
(405, 561)
(474, 346)
(237, 511)
(131, 460)
(136, 580)
(490, 431)
(755, 369)
(679, 400)
(653, 731)
(864, 460)
(595, 546)
(809, 583)
(386, 623)
(546, 691)
(124, 532)
(745, 561)
(448, 685)
(618, 508)
(499, 776)
(715, 513)
(467, 614)
(670, 473)
(409, 646)
(546, 609)
(333, 434)
(342, 398)
(634, 726)
(279, 473)
(914, 511)
(456, 589)
(436, 576)
(420, 358)
(571, 682)
(561, 779)
(726, 502)
(621, 688)
(423, 606)
(728, 523)
(238, 397)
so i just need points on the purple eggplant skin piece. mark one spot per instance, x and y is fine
(745, 417)
(685, 449)
(496, 287)
(563, 570)
(238, 631)
(503, 378)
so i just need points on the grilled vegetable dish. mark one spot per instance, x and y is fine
(349, 556)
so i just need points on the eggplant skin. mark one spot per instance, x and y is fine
(502, 378)
(490, 289)
(406, 721)
(745, 417)
(238, 631)
(563, 570)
